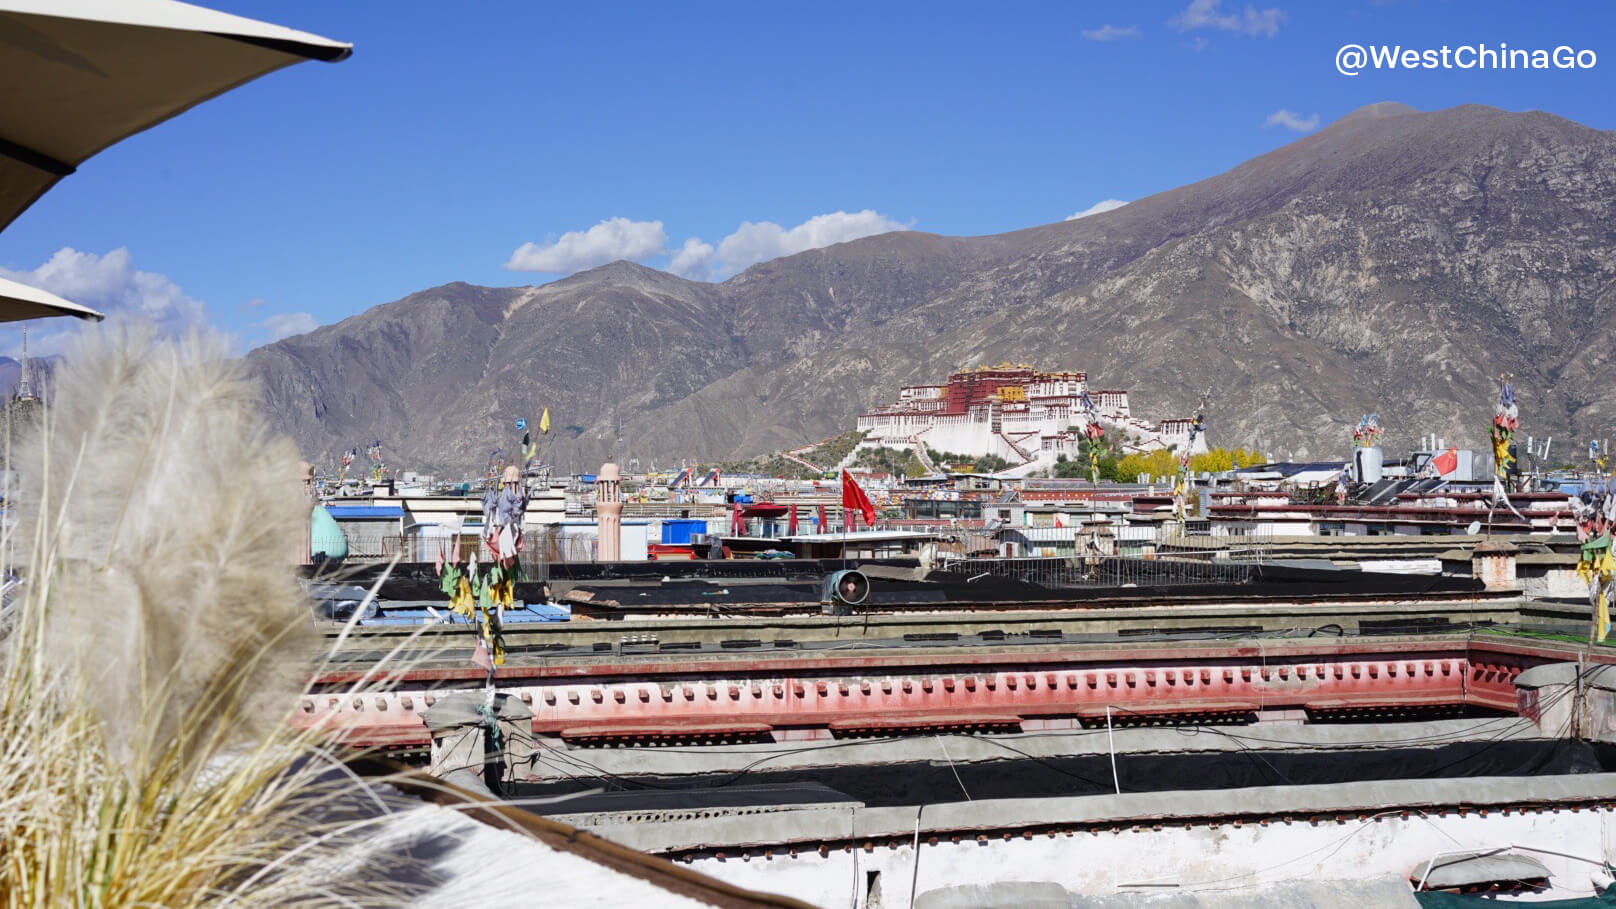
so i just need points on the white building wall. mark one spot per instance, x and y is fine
(1202, 858)
(1052, 408)
(580, 541)
(1279, 527)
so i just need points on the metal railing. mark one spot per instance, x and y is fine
(1107, 571)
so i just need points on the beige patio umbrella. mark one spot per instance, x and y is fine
(20, 301)
(79, 75)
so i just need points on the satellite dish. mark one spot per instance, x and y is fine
(1474, 528)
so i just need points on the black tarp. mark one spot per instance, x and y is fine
(914, 783)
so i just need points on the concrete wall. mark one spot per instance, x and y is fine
(1555, 582)
(1219, 858)
(580, 541)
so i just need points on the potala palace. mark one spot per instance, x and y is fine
(1029, 418)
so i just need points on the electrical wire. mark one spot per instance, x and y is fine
(591, 772)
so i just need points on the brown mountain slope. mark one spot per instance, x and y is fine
(1396, 261)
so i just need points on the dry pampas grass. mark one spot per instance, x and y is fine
(169, 518)
(157, 649)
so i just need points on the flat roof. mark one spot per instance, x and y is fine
(1162, 807)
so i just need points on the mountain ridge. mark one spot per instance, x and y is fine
(1395, 260)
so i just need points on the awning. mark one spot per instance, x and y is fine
(764, 510)
(19, 301)
(80, 75)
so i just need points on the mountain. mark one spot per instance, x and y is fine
(41, 373)
(1396, 261)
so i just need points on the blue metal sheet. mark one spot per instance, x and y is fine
(678, 530)
(360, 512)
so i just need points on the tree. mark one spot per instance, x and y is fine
(978, 463)
(1248, 458)
(1159, 464)
(1068, 469)
(1215, 461)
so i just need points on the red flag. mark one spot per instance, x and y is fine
(1446, 462)
(824, 521)
(791, 524)
(854, 499)
(737, 523)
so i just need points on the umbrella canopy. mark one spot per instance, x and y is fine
(80, 75)
(19, 301)
(763, 510)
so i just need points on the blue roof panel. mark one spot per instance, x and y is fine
(358, 512)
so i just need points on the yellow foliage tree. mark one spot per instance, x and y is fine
(1161, 463)
(1220, 459)
(1158, 463)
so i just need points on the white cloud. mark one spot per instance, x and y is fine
(1098, 207)
(286, 324)
(1292, 120)
(113, 285)
(1111, 32)
(753, 243)
(608, 241)
(697, 259)
(1249, 21)
(694, 260)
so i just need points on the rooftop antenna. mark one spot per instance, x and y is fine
(25, 387)
(619, 449)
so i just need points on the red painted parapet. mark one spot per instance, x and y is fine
(752, 699)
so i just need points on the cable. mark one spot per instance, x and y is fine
(953, 768)
(595, 772)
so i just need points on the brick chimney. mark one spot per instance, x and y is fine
(1494, 563)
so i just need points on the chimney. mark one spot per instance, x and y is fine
(1494, 563)
(609, 512)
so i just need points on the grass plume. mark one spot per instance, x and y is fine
(158, 647)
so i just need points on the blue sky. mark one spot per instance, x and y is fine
(457, 133)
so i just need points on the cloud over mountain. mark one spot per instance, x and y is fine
(112, 284)
(576, 250)
(752, 243)
(1103, 205)
(636, 241)
(1292, 120)
(287, 324)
